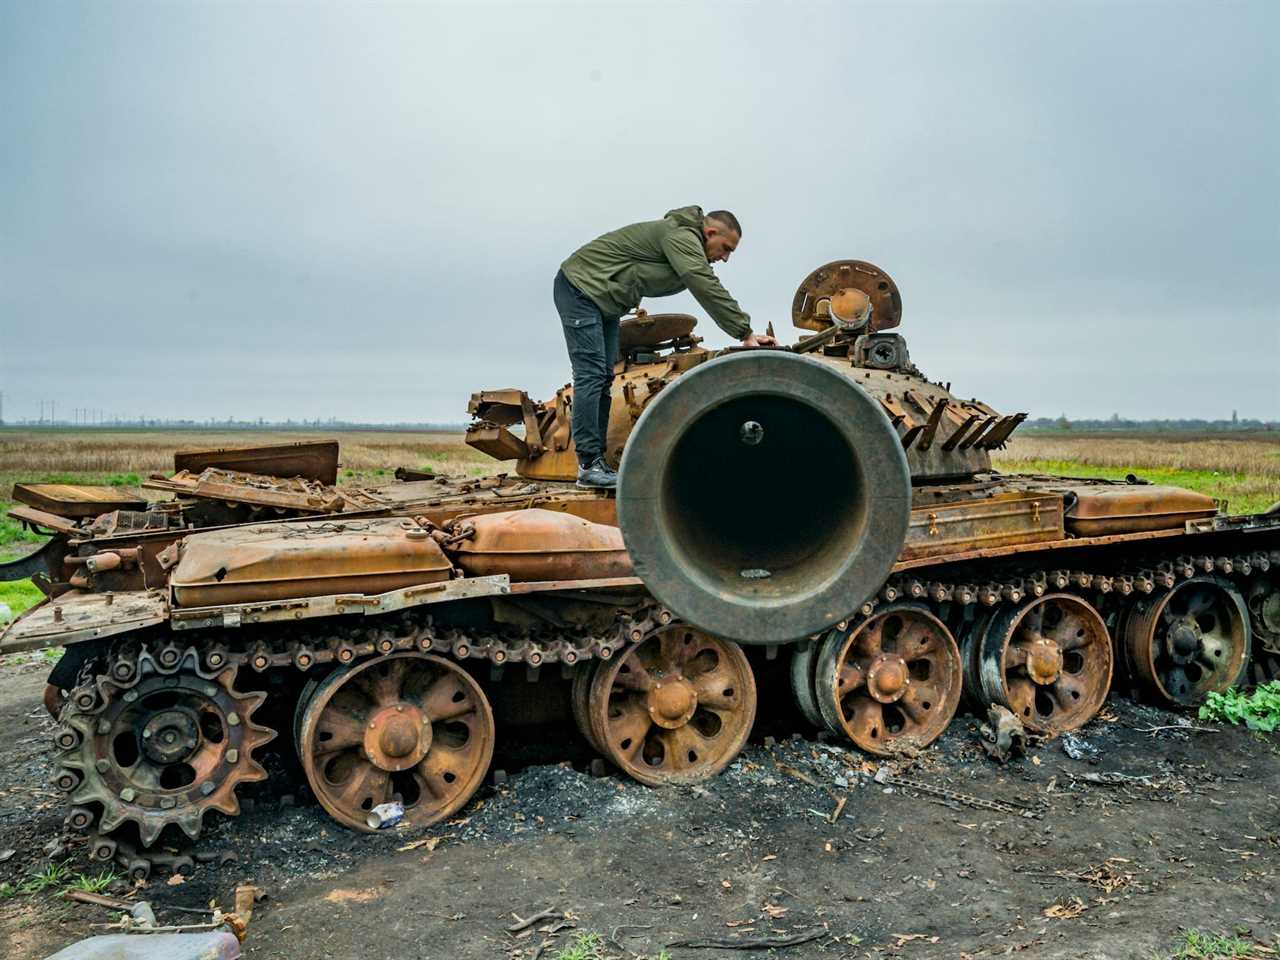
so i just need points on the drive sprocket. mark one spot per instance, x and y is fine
(157, 740)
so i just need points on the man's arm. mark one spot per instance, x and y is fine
(684, 252)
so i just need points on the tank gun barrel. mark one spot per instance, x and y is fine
(763, 496)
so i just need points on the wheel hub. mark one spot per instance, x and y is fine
(1044, 661)
(170, 736)
(888, 677)
(1184, 640)
(1271, 612)
(672, 702)
(397, 737)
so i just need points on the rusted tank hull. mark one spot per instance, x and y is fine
(391, 616)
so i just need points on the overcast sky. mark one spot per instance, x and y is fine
(356, 210)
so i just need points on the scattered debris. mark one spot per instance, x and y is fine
(1003, 736)
(385, 815)
(1176, 726)
(536, 918)
(835, 814)
(429, 842)
(754, 943)
(902, 939)
(246, 895)
(1107, 876)
(1078, 748)
(1065, 908)
(97, 900)
(945, 793)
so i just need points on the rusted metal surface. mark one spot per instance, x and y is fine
(830, 289)
(891, 682)
(75, 500)
(537, 545)
(310, 460)
(410, 727)
(676, 708)
(1189, 641)
(1047, 659)
(1004, 519)
(42, 521)
(75, 617)
(284, 493)
(1132, 508)
(305, 559)
(161, 741)
(655, 331)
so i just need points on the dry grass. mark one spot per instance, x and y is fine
(1249, 456)
(86, 456)
(1245, 472)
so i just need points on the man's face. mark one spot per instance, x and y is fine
(719, 241)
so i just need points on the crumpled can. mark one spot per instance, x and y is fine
(385, 815)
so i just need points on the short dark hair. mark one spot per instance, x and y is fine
(726, 218)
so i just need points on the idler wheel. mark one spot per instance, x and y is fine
(411, 727)
(889, 682)
(1263, 599)
(1189, 641)
(676, 708)
(804, 659)
(1048, 660)
(579, 699)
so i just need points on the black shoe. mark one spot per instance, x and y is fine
(598, 476)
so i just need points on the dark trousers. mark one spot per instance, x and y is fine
(592, 339)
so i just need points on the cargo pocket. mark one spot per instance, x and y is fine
(584, 336)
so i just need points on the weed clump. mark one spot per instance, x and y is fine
(1259, 710)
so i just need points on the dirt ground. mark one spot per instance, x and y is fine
(1145, 834)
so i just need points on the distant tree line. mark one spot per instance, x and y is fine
(1118, 423)
(231, 423)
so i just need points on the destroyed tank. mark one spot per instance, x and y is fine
(825, 507)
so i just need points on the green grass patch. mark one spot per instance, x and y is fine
(59, 877)
(1258, 710)
(1196, 945)
(13, 532)
(19, 595)
(588, 945)
(1243, 492)
(93, 883)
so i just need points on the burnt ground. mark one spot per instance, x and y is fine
(1156, 832)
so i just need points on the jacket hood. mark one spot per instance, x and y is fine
(686, 217)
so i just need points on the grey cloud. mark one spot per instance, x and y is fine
(340, 209)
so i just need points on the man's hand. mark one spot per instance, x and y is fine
(759, 340)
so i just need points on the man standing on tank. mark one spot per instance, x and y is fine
(607, 278)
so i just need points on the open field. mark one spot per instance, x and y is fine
(1244, 470)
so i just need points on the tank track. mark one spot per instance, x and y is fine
(1143, 577)
(104, 678)
(1107, 588)
(86, 774)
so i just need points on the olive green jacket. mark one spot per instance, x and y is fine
(655, 258)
